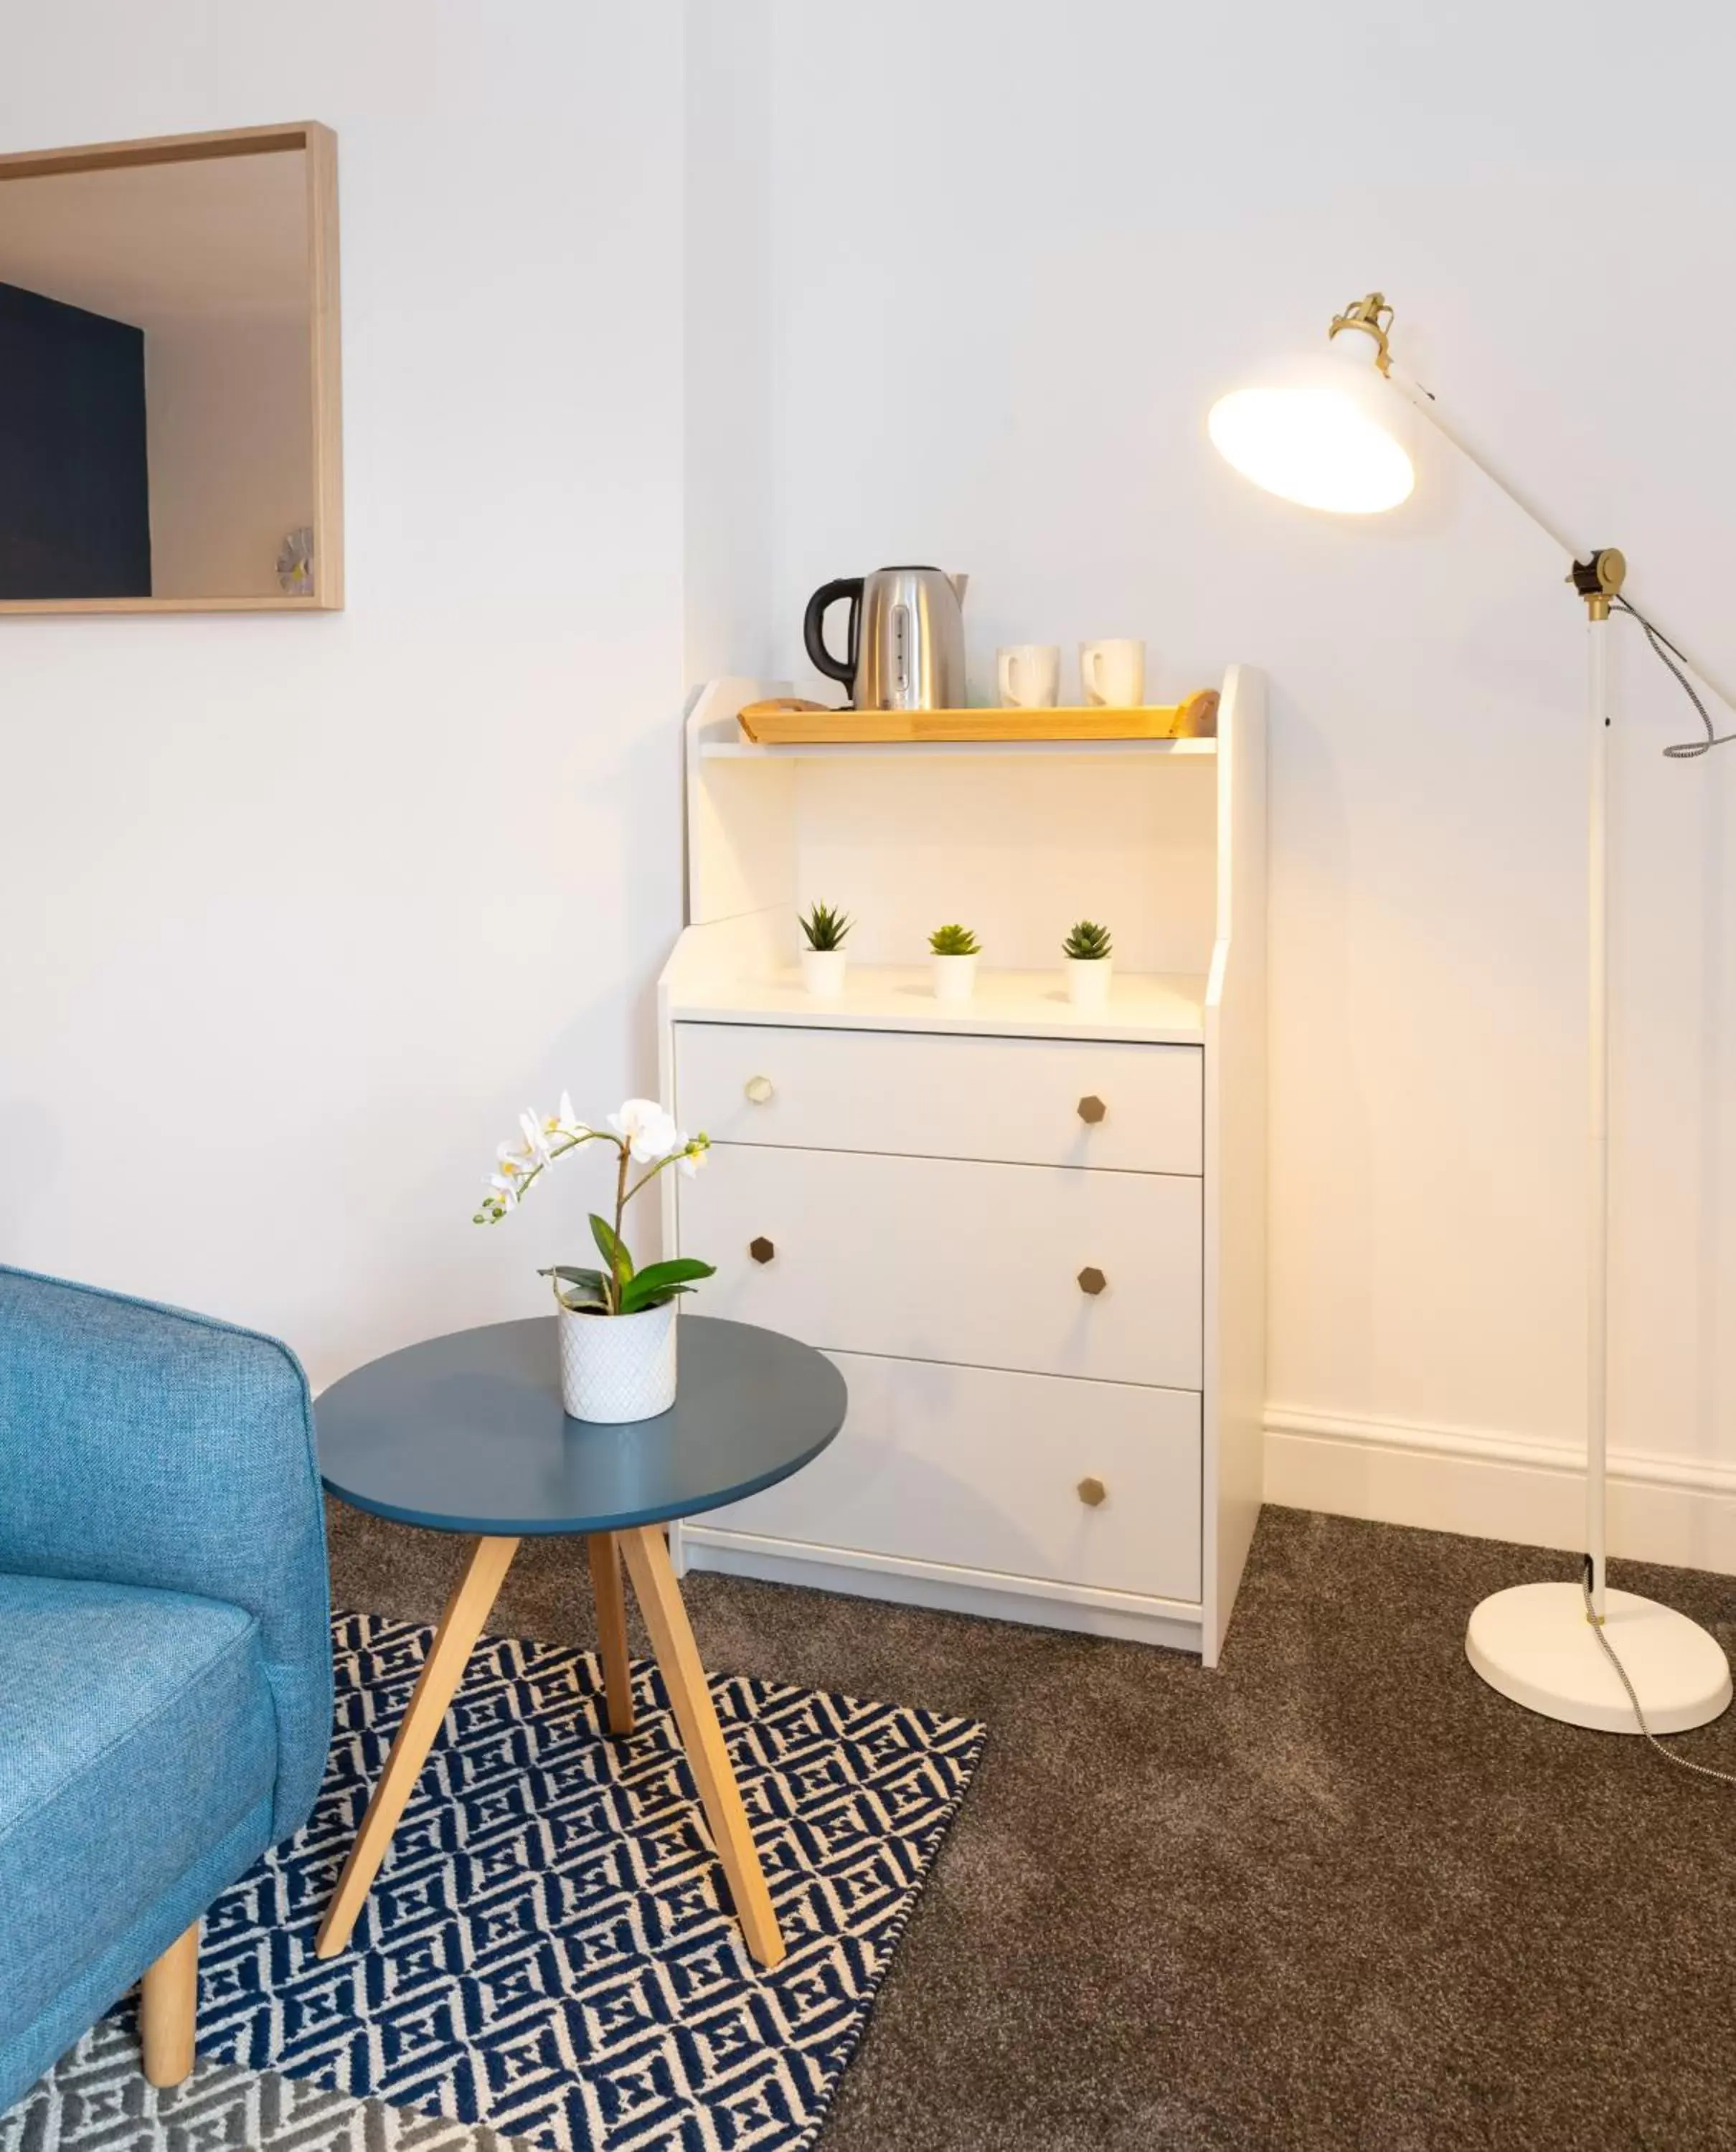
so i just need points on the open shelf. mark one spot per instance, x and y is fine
(971, 750)
(784, 721)
(1162, 1008)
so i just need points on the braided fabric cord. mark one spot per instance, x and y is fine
(1669, 1755)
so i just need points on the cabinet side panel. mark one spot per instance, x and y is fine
(1235, 1150)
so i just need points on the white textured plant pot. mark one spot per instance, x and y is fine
(617, 1367)
(955, 978)
(1087, 981)
(822, 972)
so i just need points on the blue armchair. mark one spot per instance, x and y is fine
(165, 1666)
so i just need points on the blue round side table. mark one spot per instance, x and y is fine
(465, 1433)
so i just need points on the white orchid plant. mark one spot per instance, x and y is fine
(642, 1134)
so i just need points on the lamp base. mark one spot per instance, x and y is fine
(1533, 1644)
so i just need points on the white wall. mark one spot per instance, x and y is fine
(1016, 249)
(300, 911)
(727, 237)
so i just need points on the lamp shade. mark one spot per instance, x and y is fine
(1313, 444)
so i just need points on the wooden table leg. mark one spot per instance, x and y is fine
(612, 1628)
(659, 1596)
(461, 1626)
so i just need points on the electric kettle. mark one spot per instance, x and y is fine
(905, 638)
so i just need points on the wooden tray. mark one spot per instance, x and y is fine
(795, 723)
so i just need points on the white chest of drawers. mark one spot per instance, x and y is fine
(1031, 1239)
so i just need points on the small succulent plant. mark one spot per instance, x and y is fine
(825, 928)
(1088, 940)
(954, 940)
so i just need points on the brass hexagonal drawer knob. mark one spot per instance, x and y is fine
(1091, 1279)
(1092, 1109)
(761, 1249)
(1091, 1492)
(758, 1089)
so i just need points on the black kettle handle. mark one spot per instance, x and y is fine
(814, 628)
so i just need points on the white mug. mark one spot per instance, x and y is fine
(1113, 672)
(1030, 674)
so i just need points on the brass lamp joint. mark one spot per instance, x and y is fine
(1373, 316)
(1598, 580)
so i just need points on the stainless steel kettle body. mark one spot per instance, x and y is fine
(906, 638)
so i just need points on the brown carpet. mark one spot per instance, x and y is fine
(1335, 1894)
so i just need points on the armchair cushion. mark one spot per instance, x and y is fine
(143, 1445)
(138, 1736)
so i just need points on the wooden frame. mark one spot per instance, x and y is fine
(320, 146)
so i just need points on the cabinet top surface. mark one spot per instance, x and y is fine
(1160, 1008)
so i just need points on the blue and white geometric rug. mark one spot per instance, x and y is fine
(545, 1960)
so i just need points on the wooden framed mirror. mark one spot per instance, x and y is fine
(170, 438)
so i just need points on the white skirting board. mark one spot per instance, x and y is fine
(1678, 1511)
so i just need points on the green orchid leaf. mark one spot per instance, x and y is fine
(636, 1303)
(590, 1304)
(660, 1282)
(569, 1275)
(612, 1248)
(591, 1291)
(679, 1270)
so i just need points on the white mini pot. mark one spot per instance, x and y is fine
(822, 972)
(1087, 981)
(955, 978)
(616, 1368)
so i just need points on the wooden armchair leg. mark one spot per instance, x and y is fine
(168, 2003)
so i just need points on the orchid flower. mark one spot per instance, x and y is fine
(649, 1133)
(644, 1132)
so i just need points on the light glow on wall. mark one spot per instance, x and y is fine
(1312, 445)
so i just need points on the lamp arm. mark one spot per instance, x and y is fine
(1426, 401)
(1575, 548)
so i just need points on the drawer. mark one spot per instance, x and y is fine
(931, 1096)
(980, 1469)
(937, 1259)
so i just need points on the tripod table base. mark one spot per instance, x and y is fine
(648, 1561)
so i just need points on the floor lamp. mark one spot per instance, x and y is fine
(1539, 1644)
